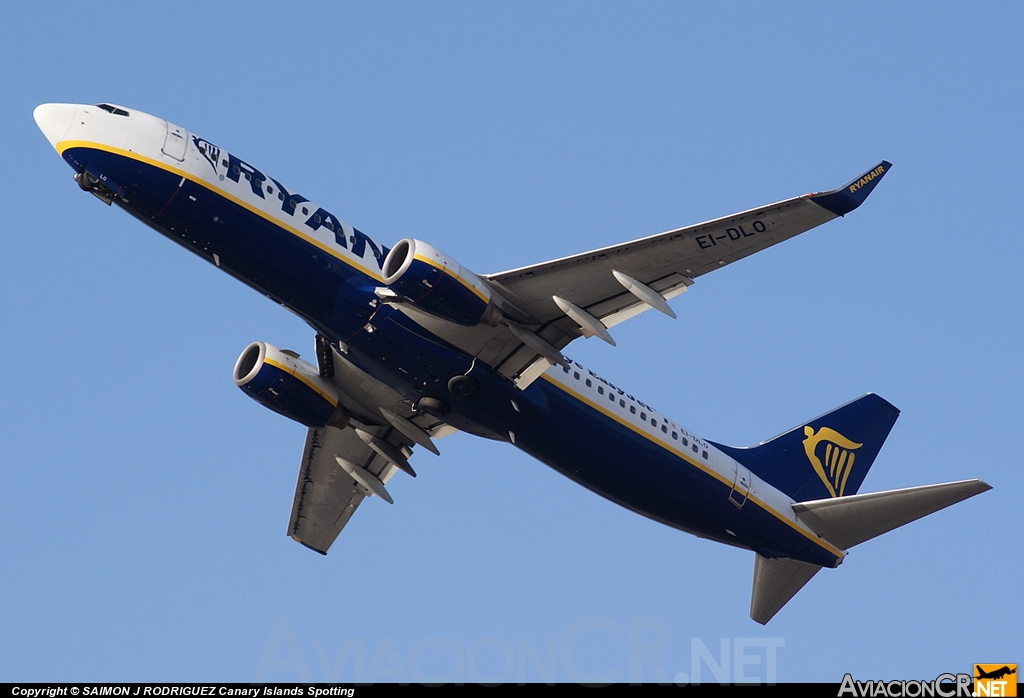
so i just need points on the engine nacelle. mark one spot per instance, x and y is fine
(436, 283)
(289, 386)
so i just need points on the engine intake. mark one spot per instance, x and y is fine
(431, 280)
(289, 386)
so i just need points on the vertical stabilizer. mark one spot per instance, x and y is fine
(776, 581)
(825, 457)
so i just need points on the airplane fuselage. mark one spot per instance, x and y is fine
(301, 255)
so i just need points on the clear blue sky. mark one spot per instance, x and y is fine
(144, 498)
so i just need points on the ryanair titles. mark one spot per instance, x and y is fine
(232, 167)
(877, 172)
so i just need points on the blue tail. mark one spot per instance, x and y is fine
(825, 457)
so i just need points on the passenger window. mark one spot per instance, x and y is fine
(224, 162)
(611, 397)
(632, 409)
(654, 422)
(316, 218)
(305, 211)
(643, 416)
(589, 383)
(576, 375)
(565, 369)
(622, 403)
(280, 196)
(600, 390)
(664, 429)
(695, 448)
(675, 436)
(270, 189)
(704, 455)
(235, 169)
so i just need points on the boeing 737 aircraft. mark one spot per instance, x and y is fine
(411, 346)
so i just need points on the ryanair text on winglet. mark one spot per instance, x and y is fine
(943, 686)
(877, 172)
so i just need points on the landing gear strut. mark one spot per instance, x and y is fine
(100, 186)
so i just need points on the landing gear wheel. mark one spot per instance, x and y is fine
(463, 386)
(432, 406)
(87, 182)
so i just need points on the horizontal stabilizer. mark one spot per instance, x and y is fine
(849, 521)
(776, 581)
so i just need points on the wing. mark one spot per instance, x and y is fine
(548, 305)
(328, 491)
(341, 467)
(666, 263)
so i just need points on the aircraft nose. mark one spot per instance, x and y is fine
(54, 120)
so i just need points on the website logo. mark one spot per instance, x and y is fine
(995, 679)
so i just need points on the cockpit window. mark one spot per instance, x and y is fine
(112, 109)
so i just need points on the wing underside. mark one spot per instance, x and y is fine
(326, 494)
(585, 294)
(341, 467)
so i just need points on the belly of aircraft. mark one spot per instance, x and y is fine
(261, 254)
(637, 473)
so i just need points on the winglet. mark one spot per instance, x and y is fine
(848, 197)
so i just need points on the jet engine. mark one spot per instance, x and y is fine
(432, 281)
(280, 380)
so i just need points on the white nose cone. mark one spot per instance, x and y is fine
(54, 120)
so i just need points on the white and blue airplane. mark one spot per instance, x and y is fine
(411, 346)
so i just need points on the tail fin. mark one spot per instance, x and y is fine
(825, 457)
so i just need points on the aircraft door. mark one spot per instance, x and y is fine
(175, 142)
(740, 486)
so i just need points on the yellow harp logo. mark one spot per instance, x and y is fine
(836, 463)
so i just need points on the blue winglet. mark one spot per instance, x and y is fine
(848, 197)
